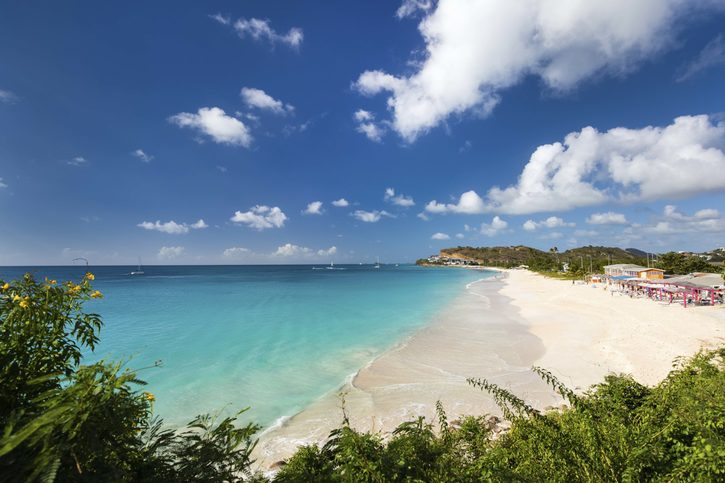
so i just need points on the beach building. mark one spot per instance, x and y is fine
(634, 271)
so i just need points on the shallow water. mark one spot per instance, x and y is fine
(275, 338)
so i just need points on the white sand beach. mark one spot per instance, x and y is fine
(498, 329)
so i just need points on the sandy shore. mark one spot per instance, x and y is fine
(497, 329)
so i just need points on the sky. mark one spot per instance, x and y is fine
(247, 131)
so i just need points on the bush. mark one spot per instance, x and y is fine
(71, 422)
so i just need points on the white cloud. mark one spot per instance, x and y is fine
(476, 49)
(326, 253)
(221, 18)
(410, 7)
(707, 213)
(711, 55)
(460, 235)
(398, 200)
(314, 208)
(140, 154)
(290, 250)
(235, 252)
(366, 125)
(621, 165)
(423, 216)
(608, 218)
(371, 216)
(78, 161)
(7, 96)
(216, 124)
(2, 184)
(169, 253)
(675, 222)
(440, 236)
(529, 225)
(469, 203)
(260, 30)
(171, 227)
(261, 100)
(550, 222)
(341, 203)
(261, 217)
(496, 226)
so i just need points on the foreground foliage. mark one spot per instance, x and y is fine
(65, 421)
(619, 431)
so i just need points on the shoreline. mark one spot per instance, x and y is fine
(432, 364)
(498, 328)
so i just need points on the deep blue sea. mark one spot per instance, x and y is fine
(271, 337)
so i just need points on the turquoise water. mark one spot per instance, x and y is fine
(271, 337)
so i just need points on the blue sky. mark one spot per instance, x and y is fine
(122, 125)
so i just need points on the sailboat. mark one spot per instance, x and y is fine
(377, 263)
(139, 269)
(333, 267)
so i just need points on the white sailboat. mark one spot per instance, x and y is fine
(377, 262)
(139, 270)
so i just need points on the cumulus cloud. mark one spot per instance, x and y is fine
(366, 125)
(620, 165)
(290, 250)
(235, 252)
(371, 216)
(550, 222)
(341, 203)
(440, 236)
(399, 199)
(171, 227)
(326, 253)
(469, 203)
(476, 49)
(460, 235)
(2, 184)
(674, 221)
(259, 99)
(216, 124)
(496, 226)
(314, 208)
(140, 154)
(169, 253)
(261, 217)
(260, 30)
(608, 218)
(713, 54)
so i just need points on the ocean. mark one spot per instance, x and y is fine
(274, 338)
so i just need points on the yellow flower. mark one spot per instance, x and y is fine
(90, 276)
(74, 289)
(97, 295)
(6, 286)
(24, 303)
(16, 297)
(149, 396)
(53, 282)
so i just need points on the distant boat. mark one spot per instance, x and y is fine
(139, 270)
(377, 263)
(333, 267)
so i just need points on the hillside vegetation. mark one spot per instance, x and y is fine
(586, 259)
